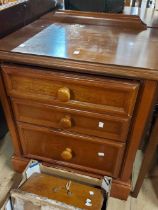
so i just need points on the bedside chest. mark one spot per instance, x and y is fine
(68, 101)
(91, 117)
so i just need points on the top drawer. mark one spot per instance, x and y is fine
(72, 90)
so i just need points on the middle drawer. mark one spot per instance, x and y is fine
(83, 122)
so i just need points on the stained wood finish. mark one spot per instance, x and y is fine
(93, 154)
(93, 124)
(78, 66)
(43, 185)
(93, 50)
(19, 163)
(144, 111)
(119, 189)
(112, 60)
(87, 93)
(10, 118)
(70, 16)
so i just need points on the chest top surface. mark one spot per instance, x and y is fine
(73, 38)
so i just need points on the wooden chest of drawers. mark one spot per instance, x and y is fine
(85, 116)
(73, 120)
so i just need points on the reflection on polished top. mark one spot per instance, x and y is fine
(110, 40)
(88, 43)
(80, 42)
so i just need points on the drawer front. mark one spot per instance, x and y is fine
(84, 153)
(99, 125)
(87, 93)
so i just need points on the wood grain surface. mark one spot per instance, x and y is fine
(86, 63)
(63, 118)
(47, 186)
(87, 93)
(113, 46)
(98, 155)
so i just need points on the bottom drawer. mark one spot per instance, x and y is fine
(58, 189)
(94, 155)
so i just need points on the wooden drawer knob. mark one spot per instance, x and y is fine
(67, 154)
(63, 94)
(66, 122)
